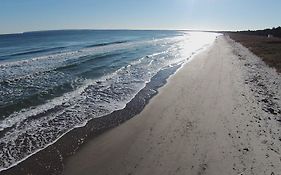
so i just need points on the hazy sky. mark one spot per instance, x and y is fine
(30, 15)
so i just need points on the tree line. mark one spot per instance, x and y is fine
(275, 31)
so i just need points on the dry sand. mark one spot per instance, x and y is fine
(207, 119)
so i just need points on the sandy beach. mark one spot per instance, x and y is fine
(219, 114)
(175, 87)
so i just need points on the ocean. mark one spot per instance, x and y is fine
(54, 81)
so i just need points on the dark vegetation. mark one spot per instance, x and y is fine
(267, 48)
(276, 32)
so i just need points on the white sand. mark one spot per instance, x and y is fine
(206, 120)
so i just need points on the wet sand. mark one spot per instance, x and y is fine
(219, 114)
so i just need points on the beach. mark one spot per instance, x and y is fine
(59, 87)
(219, 114)
(180, 87)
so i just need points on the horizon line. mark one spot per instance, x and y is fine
(137, 29)
(113, 29)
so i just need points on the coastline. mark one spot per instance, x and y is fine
(207, 119)
(73, 151)
(50, 160)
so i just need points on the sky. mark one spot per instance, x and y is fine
(31, 15)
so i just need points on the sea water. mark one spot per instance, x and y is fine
(54, 81)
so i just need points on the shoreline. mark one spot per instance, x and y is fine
(211, 101)
(60, 148)
(50, 160)
(58, 157)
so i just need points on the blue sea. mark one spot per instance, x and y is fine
(54, 81)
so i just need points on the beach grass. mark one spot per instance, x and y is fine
(268, 49)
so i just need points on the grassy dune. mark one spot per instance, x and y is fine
(269, 49)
